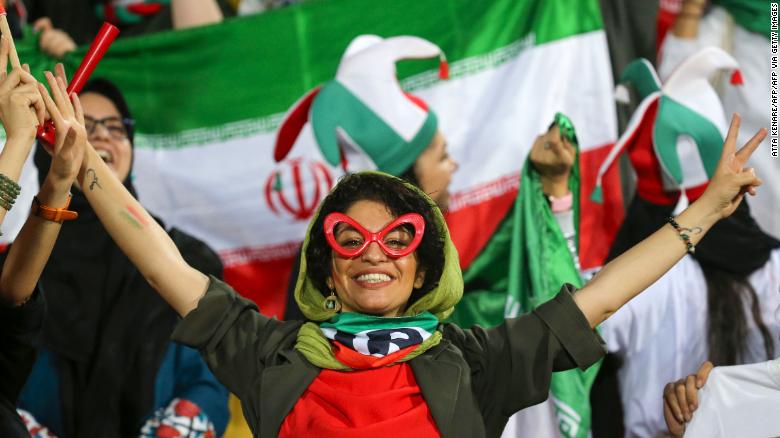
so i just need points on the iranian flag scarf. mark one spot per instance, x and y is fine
(351, 341)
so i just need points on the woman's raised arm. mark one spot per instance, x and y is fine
(32, 247)
(639, 267)
(139, 236)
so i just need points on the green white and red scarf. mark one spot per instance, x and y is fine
(350, 341)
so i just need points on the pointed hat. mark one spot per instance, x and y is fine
(363, 119)
(675, 136)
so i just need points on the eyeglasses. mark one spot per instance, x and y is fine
(117, 128)
(395, 239)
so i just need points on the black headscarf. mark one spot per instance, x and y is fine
(107, 326)
(735, 244)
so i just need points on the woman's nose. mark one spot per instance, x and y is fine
(374, 253)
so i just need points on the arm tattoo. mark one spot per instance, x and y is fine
(94, 181)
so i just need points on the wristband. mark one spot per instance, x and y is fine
(52, 214)
(685, 234)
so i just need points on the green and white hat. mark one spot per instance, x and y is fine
(363, 119)
(675, 136)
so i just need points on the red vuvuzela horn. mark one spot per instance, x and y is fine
(100, 45)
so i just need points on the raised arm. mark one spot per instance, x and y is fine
(32, 247)
(139, 236)
(639, 267)
(21, 110)
(686, 25)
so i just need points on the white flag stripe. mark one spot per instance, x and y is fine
(217, 192)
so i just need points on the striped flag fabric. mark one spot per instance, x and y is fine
(208, 101)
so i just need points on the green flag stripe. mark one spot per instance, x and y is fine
(256, 66)
(269, 124)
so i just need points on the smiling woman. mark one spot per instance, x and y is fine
(109, 125)
(372, 281)
(383, 361)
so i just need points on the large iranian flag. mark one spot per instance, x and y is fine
(208, 102)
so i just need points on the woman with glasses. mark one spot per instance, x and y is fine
(107, 366)
(378, 275)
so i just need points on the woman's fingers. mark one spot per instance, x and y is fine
(32, 98)
(747, 178)
(25, 77)
(4, 50)
(56, 117)
(752, 189)
(59, 71)
(670, 397)
(747, 150)
(691, 393)
(63, 86)
(676, 427)
(682, 399)
(77, 108)
(67, 105)
(56, 93)
(703, 373)
(40, 108)
(730, 144)
(11, 81)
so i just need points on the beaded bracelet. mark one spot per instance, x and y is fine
(4, 180)
(683, 232)
(9, 190)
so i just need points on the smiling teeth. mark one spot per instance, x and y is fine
(105, 155)
(373, 278)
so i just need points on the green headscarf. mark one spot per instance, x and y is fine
(440, 300)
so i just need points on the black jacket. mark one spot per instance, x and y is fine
(472, 381)
(19, 330)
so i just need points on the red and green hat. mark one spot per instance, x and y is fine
(674, 138)
(363, 119)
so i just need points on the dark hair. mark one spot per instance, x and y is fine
(110, 91)
(409, 175)
(733, 249)
(729, 296)
(399, 199)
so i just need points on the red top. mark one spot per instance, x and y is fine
(379, 402)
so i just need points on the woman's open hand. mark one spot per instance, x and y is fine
(732, 179)
(71, 138)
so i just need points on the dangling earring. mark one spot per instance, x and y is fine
(332, 302)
